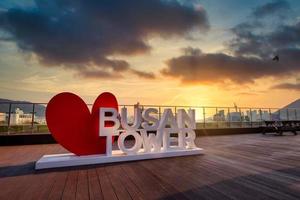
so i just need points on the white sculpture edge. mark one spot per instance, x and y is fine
(69, 159)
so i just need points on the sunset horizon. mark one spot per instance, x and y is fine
(197, 53)
(150, 99)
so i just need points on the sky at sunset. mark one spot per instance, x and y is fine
(167, 52)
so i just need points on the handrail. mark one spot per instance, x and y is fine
(207, 116)
(164, 106)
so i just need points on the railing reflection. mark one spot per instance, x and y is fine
(29, 118)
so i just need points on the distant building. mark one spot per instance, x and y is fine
(288, 114)
(220, 116)
(234, 117)
(2, 117)
(257, 115)
(265, 115)
(39, 120)
(19, 117)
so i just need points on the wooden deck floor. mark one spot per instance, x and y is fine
(234, 167)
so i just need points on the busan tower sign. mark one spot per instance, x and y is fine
(89, 135)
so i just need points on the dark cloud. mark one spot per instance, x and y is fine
(286, 36)
(87, 35)
(95, 74)
(251, 52)
(219, 67)
(190, 51)
(251, 41)
(147, 75)
(248, 93)
(262, 37)
(288, 86)
(274, 7)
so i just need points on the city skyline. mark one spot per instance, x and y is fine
(202, 52)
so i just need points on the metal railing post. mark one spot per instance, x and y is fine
(270, 114)
(204, 117)
(229, 117)
(8, 119)
(260, 115)
(32, 117)
(251, 118)
(159, 112)
(241, 118)
(217, 116)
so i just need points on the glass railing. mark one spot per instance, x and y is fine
(29, 118)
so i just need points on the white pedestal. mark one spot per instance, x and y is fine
(69, 159)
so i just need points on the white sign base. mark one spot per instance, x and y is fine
(69, 159)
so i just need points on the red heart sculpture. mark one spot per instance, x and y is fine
(74, 126)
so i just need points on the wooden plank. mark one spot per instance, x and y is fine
(132, 189)
(43, 191)
(250, 166)
(106, 186)
(71, 185)
(148, 184)
(58, 186)
(119, 187)
(188, 181)
(94, 185)
(82, 191)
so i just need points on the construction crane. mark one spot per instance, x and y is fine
(235, 106)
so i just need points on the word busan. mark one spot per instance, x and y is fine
(143, 128)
